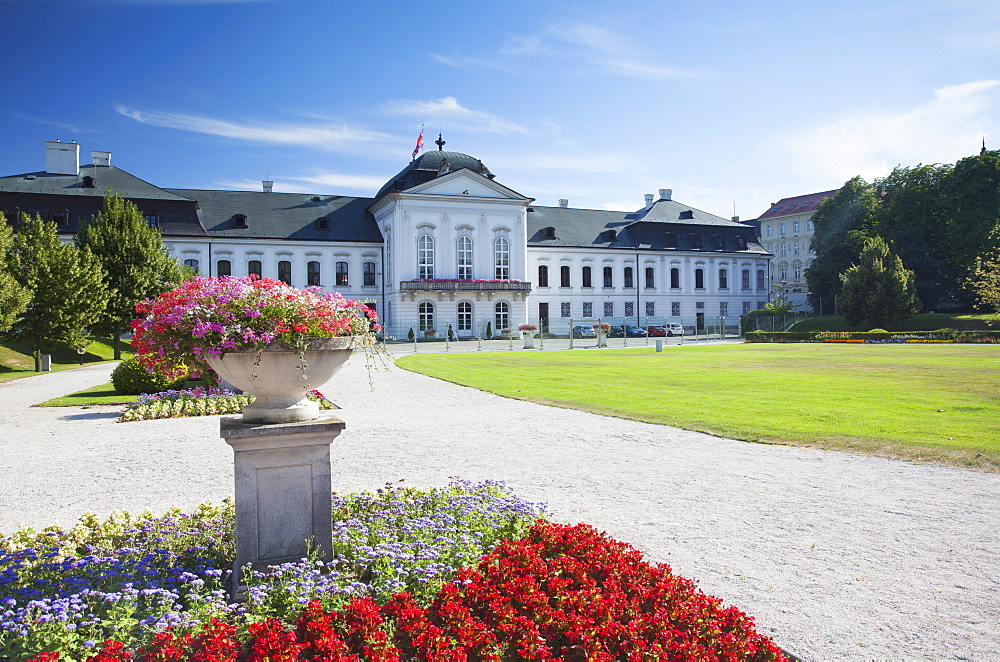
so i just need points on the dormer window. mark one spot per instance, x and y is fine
(322, 223)
(88, 182)
(60, 217)
(720, 242)
(239, 222)
(686, 215)
(696, 241)
(548, 233)
(152, 220)
(671, 240)
(610, 236)
(11, 215)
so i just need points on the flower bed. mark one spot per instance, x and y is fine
(880, 337)
(445, 574)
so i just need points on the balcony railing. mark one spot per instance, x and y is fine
(464, 286)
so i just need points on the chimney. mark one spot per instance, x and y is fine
(101, 159)
(564, 202)
(268, 185)
(62, 158)
(649, 200)
(665, 193)
(736, 219)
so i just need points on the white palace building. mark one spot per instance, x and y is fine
(442, 244)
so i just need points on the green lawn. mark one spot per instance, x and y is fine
(925, 322)
(16, 360)
(936, 403)
(102, 394)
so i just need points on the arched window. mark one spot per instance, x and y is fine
(369, 274)
(609, 277)
(723, 279)
(285, 272)
(342, 274)
(543, 276)
(426, 316)
(254, 268)
(699, 279)
(675, 278)
(193, 264)
(746, 279)
(425, 256)
(760, 279)
(501, 317)
(564, 276)
(587, 281)
(223, 268)
(464, 257)
(650, 280)
(501, 252)
(312, 273)
(465, 317)
(628, 277)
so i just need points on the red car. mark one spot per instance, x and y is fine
(656, 332)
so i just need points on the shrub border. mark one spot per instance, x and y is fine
(883, 337)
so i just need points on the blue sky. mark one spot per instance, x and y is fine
(598, 102)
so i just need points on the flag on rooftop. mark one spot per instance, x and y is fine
(420, 143)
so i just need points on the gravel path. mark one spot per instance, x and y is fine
(838, 556)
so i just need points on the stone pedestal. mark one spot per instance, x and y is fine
(282, 489)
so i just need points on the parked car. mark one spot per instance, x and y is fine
(632, 331)
(584, 332)
(656, 331)
(675, 329)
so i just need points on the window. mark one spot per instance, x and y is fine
(313, 273)
(747, 307)
(464, 257)
(696, 241)
(671, 240)
(629, 308)
(193, 264)
(223, 268)
(152, 220)
(342, 274)
(760, 279)
(465, 316)
(608, 277)
(675, 278)
(543, 276)
(724, 279)
(564, 276)
(809, 225)
(650, 309)
(501, 314)
(628, 277)
(797, 273)
(587, 282)
(425, 256)
(60, 217)
(369, 274)
(784, 250)
(768, 230)
(564, 309)
(285, 272)
(746, 279)
(501, 252)
(675, 308)
(609, 308)
(699, 279)
(795, 226)
(322, 223)
(784, 273)
(588, 308)
(699, 305)
(650, 280)
(254, 268)
(425, 315)
(723, 308)
(239, 221)
(795, 248)
(782, 227)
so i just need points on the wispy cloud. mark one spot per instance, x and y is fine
(323, 135)
(450, 112)
(870, 144)
(591, 45)
(72, 128)
(331, 183)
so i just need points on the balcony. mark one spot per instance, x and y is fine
(448, 288)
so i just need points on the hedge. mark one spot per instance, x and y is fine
(888, 337)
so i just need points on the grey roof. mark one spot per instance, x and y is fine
(646, 229)
(427, 166)
(284, 215)
(105, 177)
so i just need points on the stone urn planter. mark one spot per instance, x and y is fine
(529, 339)
(281, 376)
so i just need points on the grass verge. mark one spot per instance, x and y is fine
(103, 394)
(925, 322)
(934, 403)
(16, 360)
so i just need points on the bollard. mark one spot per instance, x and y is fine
(659, 344)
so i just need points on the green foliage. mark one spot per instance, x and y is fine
(14, 296)
(779, 304)
(921, 322)
(130, 378)
(841, 224)
(972, 195)
(878, 288)
(68, 292)
(489, 329)
(410, 335)
(136, 264)
(984, 280)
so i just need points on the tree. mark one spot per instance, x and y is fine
(972, 194)
(14, 297)
(136, 264)
(841, 224)
(66, 285)
(878, 288)
(984, 279)
(779, 304)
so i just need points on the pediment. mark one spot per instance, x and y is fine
(465, 183)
